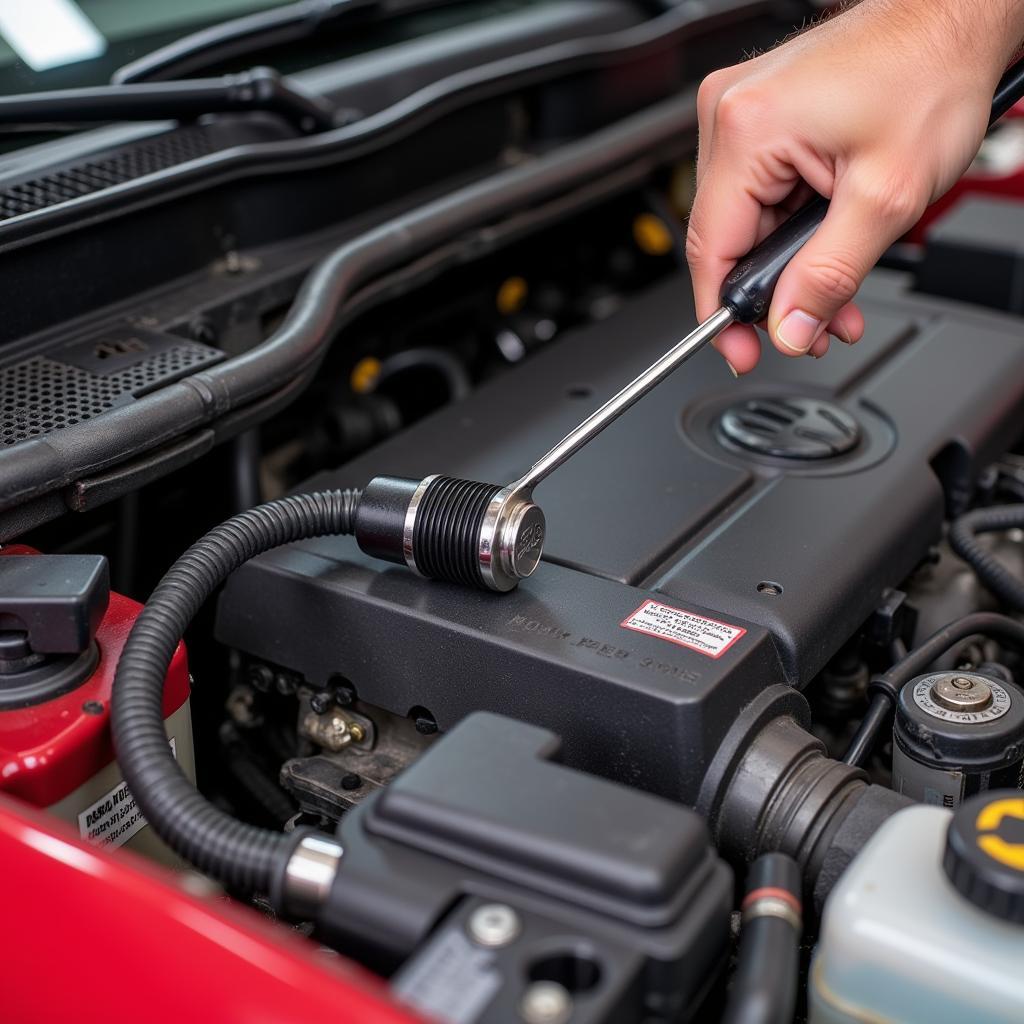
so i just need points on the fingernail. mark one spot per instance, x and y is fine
(732, 369)
(799, 331)
(844, 336)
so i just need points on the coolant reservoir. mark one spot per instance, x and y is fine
(927, 924)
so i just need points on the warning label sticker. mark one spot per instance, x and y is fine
(114, 818)
(699, 633)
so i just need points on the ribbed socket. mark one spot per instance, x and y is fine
(446, 538)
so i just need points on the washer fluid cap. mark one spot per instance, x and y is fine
(790, 428)
(984, 856)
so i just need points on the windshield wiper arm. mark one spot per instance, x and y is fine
(260, 89)
(238, 37)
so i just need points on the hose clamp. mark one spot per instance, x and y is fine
(309, 875)
(771, 902)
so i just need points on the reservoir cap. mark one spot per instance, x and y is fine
(984, 857)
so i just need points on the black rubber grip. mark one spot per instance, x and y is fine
(747, 291)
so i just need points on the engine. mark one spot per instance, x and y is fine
(726, 725)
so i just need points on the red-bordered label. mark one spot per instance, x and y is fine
(687, 629)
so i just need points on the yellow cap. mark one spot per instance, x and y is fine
(511, 295)
(365, 375)
(652, 235)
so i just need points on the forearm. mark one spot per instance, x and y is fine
(986, 34)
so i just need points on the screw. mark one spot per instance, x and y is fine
(546, 1002)
(344, 695)
(351, 781)
(320, 702)
(93, 707)
(493, 925)
(963, 684)
(425, 724)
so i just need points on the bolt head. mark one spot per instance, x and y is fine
(320, 702)
(425, 726)
(493, 925)
(546, 1002)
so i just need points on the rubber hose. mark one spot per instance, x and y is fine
(239, 855)
(963, 539)
(764, 986)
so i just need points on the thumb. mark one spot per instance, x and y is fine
(824, 276)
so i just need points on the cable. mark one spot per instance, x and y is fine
(887, 686)
(963, 539)
(240, 855)
(764, 986)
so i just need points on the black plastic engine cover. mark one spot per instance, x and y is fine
(792, 553)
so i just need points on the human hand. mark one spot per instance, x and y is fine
(881, 109)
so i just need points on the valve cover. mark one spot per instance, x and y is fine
(687, 566)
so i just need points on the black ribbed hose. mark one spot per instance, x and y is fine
(963, 539)
(886, 688)
(240, 855)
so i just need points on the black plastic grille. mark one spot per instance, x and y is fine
(40, 394)
(133, 161)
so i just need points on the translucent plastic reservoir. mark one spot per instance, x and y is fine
(899, 943)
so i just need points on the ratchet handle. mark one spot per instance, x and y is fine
(747, 291)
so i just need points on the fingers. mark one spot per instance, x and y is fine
(848, 325)
(736, 205)
(814, 293)
(741, 348)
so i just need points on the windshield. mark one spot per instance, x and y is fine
(56, 44)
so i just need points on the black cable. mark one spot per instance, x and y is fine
(764, 987)
(963, 539)
(871, 725)
(242, 856)
(886, 687)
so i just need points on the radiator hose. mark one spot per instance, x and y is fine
(241, 856)
(963, 539)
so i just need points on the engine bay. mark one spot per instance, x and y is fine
(747, 744)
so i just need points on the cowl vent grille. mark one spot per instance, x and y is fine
(43, 393)
(126, 164)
